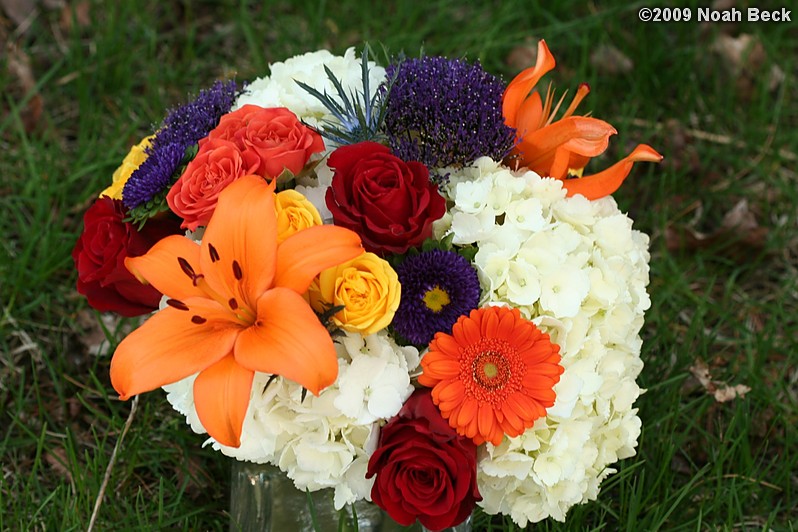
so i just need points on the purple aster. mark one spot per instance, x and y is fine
(437, 288)
(183, 127)
(154, 175)
(446, 112)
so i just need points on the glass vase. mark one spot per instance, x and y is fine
(264, 499)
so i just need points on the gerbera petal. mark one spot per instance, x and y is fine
(167, 267)
(490, 325)
(606, 182)
(452, 391)
(511, 424)
(486, 420)
(518, 89)
(287, 339)
(221, 395)
(238, 247)
(467, 417)
(470, 329)
(172, 345)
(304, 254)
(447, 345)
(507, 322)
(442, 368)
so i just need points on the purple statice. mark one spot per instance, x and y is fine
(446, 112)
(437, 288)
(182, 128)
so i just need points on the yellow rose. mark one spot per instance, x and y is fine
(294, 213)
(368, 289)
(130, 164)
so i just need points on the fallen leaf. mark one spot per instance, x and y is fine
(739, 236)
(721, 391)
(608, 59)
(93, 335)
(57, 460)
(19, 11)
(722, 5)
(745, 59)
(523, 56)
(77, 14)
(700, 371)
(727, 393)
(19, 67)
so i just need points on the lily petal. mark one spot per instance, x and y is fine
(579, 134)
(518, 89)
(172, 345)
(560, 164)
(287, 339)
(607, 181)
(303, 255)
(529, 116)
(239, 244)
(163, 268)
(221, 395)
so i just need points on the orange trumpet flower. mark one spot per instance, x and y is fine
(559, 148)
(235, 307)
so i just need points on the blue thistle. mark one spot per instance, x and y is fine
(360, 116)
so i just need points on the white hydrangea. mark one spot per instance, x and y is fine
(280, 89)
(325, 441)
(579, 271)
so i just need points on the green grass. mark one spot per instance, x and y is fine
(104, 81)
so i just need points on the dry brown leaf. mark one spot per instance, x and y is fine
(739, 235)
(700, 371)
(721, 391)
(722, 5)
(18, 65)
(523, 56)
(19, 11)
(77, 14)
(93, 336)
(745, 58)
(57, 460)
(727, 393)
(607, 59)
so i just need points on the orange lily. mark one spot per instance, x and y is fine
(235, 307)
(559, 148)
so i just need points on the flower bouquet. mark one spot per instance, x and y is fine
(417, 247)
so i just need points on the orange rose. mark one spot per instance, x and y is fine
(274, 136)
(193, 197)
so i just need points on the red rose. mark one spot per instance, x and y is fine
(391, 204)
(218, 163)
(100, 253)
(424, 469)
(274, 136)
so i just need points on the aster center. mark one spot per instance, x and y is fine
(436, 298)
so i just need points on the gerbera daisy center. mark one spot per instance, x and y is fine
(491, 369)
(436, 298)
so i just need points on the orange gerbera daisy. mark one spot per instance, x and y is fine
(494, 375)
(235, 307)
(562, 147)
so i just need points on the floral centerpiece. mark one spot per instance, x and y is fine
(419, 248)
